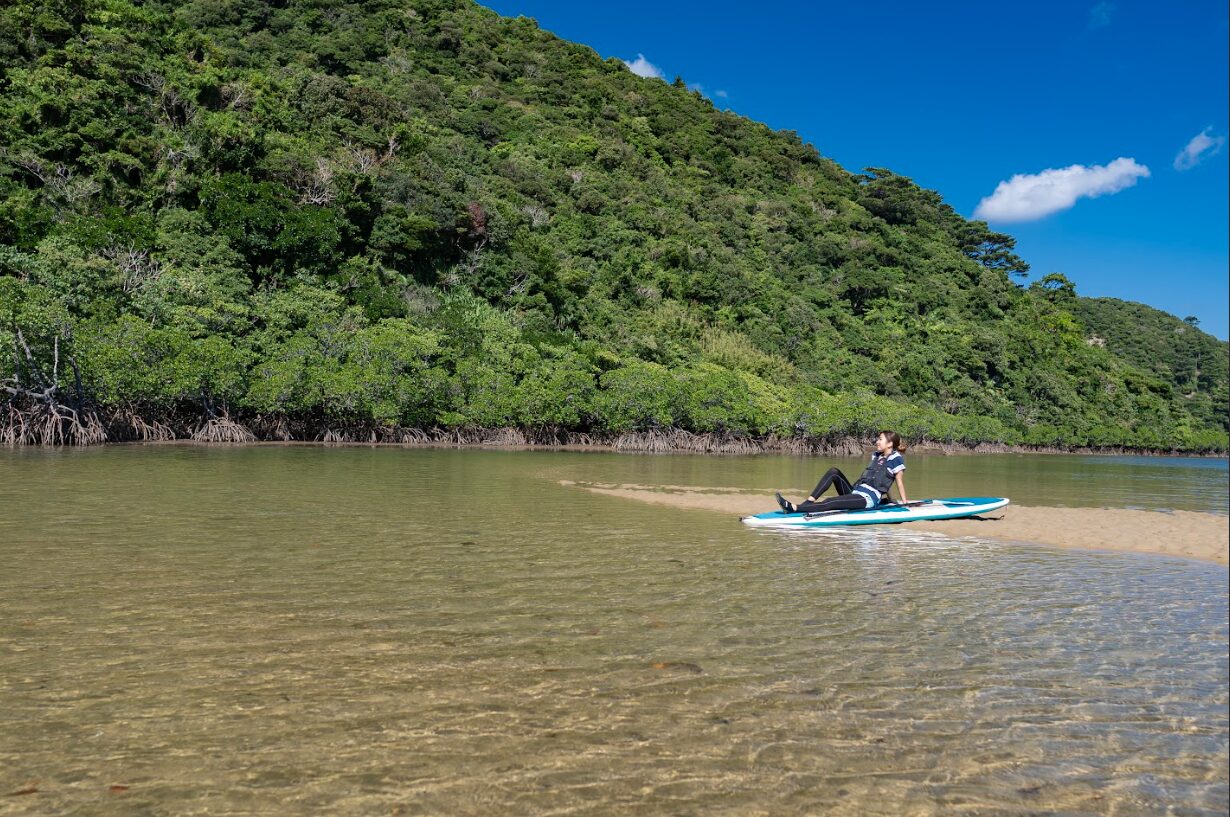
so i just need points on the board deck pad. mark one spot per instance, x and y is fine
(921, 510)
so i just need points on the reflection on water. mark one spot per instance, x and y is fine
(357, 631)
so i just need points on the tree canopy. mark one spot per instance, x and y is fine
(317, 214)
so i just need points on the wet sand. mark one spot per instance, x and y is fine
(1187, 534)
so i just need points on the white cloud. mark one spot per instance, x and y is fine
(1101, 13)
(1030, 197)
(700, 89)
(644, 68)
(1202, 146)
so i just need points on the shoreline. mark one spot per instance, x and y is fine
(1193, 535)
(674, 442)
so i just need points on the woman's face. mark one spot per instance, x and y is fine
(883, 444)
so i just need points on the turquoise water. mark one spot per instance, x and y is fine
(304, 630)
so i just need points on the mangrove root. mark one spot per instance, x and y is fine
(223, 430)
(48, 422)
(126, 424)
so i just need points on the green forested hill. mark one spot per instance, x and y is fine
(1191, 362)
(312, 215)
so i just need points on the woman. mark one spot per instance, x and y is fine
(887, 466)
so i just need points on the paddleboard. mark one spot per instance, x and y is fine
(925, 509)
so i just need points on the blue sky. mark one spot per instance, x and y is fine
(1093, 132)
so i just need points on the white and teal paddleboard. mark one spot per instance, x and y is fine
(953, 508)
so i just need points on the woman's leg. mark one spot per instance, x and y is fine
(848, 502)
(832, 478)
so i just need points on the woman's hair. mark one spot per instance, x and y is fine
(894, 438)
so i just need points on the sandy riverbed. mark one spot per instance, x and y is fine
(1188, 534)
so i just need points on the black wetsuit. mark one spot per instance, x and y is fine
(846, 499)
(872, 487)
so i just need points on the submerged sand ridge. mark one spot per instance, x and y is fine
(1188, 534)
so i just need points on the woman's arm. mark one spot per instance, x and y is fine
(901, 486)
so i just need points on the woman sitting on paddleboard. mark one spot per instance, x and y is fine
(872, 487)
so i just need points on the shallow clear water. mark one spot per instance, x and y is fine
(369, 631)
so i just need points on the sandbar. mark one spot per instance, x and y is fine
(1187, 534)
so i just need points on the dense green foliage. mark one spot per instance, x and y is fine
(1189, 361)
(418, 213)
